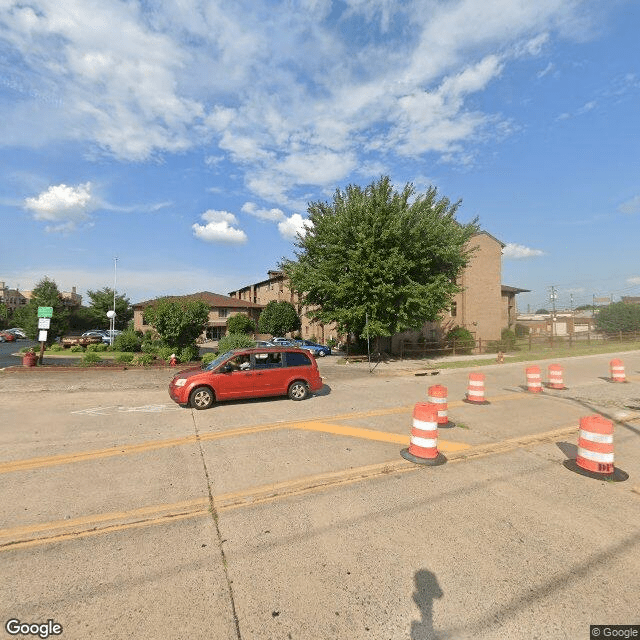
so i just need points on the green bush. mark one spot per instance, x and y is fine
(125, 358)
(128, 341)
(189, 354)
(97, 347)
(208, 357)
(332, 343)
(89, 358)
(235, 341)
(164, 353)
(56, 347)
(151, 347)
(143, 359)
(241, 323)
(522, 331)
(461, 340)
(77, 348)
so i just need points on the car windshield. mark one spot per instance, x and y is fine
(217, 362)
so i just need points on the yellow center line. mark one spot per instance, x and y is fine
(123, 450)
(58, 531)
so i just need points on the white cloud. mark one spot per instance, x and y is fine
(219, 228)
(271, 215)
(633, 280)
(513, 251)
(292, 226)
(631, 206)
(63, 205)
(300, 109)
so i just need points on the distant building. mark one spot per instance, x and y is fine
(564, 323)
(14, 299)
(631, 299)
(221, 308)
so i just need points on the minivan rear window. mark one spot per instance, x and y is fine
(295, 359)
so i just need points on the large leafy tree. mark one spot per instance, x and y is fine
(241, 323)
(102, 301)
(179, 322)
(393, 257)
(44, 294)
(619, 316)
(278, 318)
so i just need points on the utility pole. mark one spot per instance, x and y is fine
(552, 298)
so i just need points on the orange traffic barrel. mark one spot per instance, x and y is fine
(595, 445)
(423, 447)
(555, 377)
(475, 389)
(534, 382)
(616, 367)
(438, 395)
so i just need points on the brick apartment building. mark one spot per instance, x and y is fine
(221, 308)
(484, 307)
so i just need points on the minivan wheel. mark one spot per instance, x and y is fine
(201, 398)
(299, 390)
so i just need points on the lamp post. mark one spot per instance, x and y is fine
(111, 314)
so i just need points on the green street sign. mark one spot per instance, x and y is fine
(45, 312)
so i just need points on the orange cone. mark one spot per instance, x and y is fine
(555, 377)
(617, 371)
(534, 383)
(438, 395)
(595, 445)
(423, 447)
(475, 390)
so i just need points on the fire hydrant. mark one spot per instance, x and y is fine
(173, 361)
(500, 358)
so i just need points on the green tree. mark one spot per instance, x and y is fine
(4, 315)
(241, 323)
(542, 312)
(44, 294)
(392, 256)
(278, 318)
(179, 322)
(619, 316)
(102, 301)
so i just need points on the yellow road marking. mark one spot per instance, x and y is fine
(82, 456)
(31, 535)
(371, 434)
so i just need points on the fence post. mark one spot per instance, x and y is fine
(529, 340)
(454, 346)
(479, 345)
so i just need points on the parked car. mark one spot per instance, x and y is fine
(8, 336)
(285, 342)
(315, 348)
(264, 343)
(18, 333)
(248, 373)
(106, 338)
(94, 332)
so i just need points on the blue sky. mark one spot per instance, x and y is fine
(187, 137)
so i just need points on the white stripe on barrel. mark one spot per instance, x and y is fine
(438, 395)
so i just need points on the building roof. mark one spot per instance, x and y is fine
(507, 289)
(211, 299)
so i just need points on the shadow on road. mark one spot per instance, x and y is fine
(427, 590)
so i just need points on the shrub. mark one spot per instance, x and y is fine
(234, 341)
(89, 358)
(128, 341)
(97, 347)
(143, 359)
(189, 354)
(77, 348)
(507, 342)
(208, 357)
(241, 323)
(522, 331)
(151, 347)
(56, 347)
(125, 358)
(164, 353)
(332, 343)
(461, 340)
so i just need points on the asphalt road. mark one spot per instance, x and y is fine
(124, 515)
(7, 349)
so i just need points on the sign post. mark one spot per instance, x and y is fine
(44, 323)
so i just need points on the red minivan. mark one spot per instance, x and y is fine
(248, 373)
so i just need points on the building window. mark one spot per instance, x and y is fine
(454, 309)
(222, 313)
